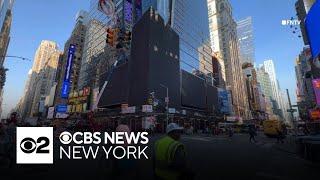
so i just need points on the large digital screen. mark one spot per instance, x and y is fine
(128, 11)
(67, 74)
(316, 88)
(312, 24)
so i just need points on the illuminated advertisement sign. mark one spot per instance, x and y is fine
(128, 11)
(106, 6)
(224, 101)
(314, 114)
(61, 108)
(312, 24)
(65, 89)
(316, 88)
(71, 52)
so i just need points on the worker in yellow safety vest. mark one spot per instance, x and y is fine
(170, 156)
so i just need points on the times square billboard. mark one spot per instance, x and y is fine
(312, 23)
(316, 88)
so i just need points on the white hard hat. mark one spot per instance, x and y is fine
(172, 127)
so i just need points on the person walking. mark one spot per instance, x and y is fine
(280, 136)
(252, 134)
(170, 156)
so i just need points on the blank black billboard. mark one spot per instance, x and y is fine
(116, 91)
(193, 91)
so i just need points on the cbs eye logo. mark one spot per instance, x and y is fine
(65, 137)
(29, 145)
(34, 145)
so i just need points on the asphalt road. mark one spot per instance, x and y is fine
(208, 157)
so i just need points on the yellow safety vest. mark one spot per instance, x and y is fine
(165, 149)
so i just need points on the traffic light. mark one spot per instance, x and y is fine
(110, 37)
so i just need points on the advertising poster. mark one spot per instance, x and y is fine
(316, 88)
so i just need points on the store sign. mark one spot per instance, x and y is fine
(61, 115)
(61, 108)
(66, 82)
(128, 110)
(147, 108)
(224, 101)
(314, 114)
(184, 112)
(50, 113)
(316, 88)
(172, 110)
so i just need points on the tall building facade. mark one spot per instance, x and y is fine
(98, 57)
(163, 7)
(77, 40)
(224, 40)
(305, 92)
(5, 27)
(42, 55)
(264, 80)
(43, 82)
(269, 67)
(246, 44)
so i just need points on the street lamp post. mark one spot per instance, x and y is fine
(18, 57)
(167, 101)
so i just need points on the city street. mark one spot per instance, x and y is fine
(210, 157)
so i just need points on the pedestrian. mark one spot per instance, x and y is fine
(252, 134)
(230, 131)
(170, 156)
(280, 136)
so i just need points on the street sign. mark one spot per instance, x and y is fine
(166, 99)
(147, 108)
(172, 110)
(128, 110)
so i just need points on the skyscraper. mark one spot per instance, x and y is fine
(42, 55)
(5, 27)
(224, 40)
(76, 39)
(43, 82)
(245, 36)
(98, 56)
(163, 7)
(195, 49)
(268, 66)
(264, 80)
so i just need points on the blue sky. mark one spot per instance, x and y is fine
(36, 20)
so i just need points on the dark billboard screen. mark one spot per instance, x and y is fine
(312, 24)
(193, 91)
(116, 92)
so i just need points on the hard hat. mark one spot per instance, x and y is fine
(172, 127)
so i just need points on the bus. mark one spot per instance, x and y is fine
(271, 126)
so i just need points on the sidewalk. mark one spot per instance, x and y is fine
(288, 146)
